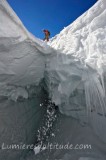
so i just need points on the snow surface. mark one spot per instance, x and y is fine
(73, 64)
(73, 61)
(81, 63)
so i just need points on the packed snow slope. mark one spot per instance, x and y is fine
(73, 62)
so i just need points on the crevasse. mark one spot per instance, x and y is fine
(71, 62)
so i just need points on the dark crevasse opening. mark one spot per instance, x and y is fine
(45, 129)
(20, 122)
(69, 138)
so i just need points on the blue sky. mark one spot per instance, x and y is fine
(53, 15)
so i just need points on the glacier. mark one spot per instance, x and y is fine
(69, 69)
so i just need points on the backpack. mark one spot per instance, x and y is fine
(48, 33)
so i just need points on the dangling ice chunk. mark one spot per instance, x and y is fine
(18, 92)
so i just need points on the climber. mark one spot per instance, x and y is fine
(47, 34)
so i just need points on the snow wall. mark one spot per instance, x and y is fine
(72, 65)
(78, 76)
(21, 84)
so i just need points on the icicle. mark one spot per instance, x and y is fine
(94, 93)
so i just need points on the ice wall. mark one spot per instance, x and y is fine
(80, 63)
(73, 62)
(22, 61)
(22, 67)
